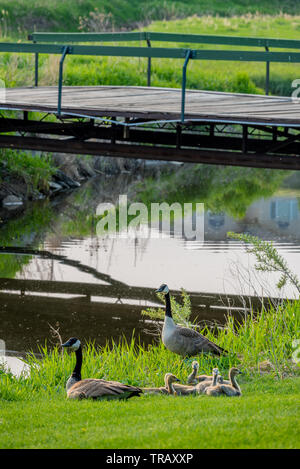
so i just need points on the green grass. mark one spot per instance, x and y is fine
(24, 16)
(36, 414)
(35, 170)
(18, 70)
(266, 336)
(266, 416)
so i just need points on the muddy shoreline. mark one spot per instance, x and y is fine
(72, 171)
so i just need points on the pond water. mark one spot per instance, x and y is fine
(55, 269)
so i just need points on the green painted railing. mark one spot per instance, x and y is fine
(165, 37)
(149, 36)
(147, 52)
(156, 52)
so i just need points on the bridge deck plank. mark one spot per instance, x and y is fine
(156, 103)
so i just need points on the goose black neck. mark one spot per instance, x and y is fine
(77, 370)
(168, 305)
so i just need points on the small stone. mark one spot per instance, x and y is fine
(12, 201)
(54, 186)
(60, 176)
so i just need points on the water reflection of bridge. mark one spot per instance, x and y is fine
(112, 291)
(97, 311)
(122, 302)
(206, 305)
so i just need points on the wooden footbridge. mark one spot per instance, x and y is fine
(147, 122)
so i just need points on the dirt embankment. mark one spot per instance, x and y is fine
(72, 171)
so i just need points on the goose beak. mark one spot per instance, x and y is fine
(67, 344)
(159, 290)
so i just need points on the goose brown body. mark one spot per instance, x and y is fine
(184, 390)
(78, 388)
(101, 389)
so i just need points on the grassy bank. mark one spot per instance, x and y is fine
(23, 175)
(265, 417)
(23, 16)
(36, 414)
(18, 70)
(265, 337)
(34, 170)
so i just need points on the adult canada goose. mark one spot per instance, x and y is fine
(232, 389)
(193, 379)
(78, 388)
(183, 340)
(166, 389)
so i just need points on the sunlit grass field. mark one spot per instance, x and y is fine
(23, 16)
(241, 77)
(266, 416)
(35, 413)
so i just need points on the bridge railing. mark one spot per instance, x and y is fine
(148, 52)
(149, 36)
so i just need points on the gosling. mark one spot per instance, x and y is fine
(214, 382)
(168, 388)
(230, 390)
(193, 379)
(201, 387)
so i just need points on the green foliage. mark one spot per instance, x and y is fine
(181, 312)
(17, 69)
(99, 15)
(268, 259)
(35, 170)
(10, 265)
(221, 189)
(266, 416)
(31, 226)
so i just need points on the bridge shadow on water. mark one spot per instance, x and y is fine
(99, 312)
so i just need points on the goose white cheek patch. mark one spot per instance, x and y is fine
(76, 345)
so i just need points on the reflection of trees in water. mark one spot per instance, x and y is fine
(26, 230)
(70, 214)
(222, 189)
(78, 210)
